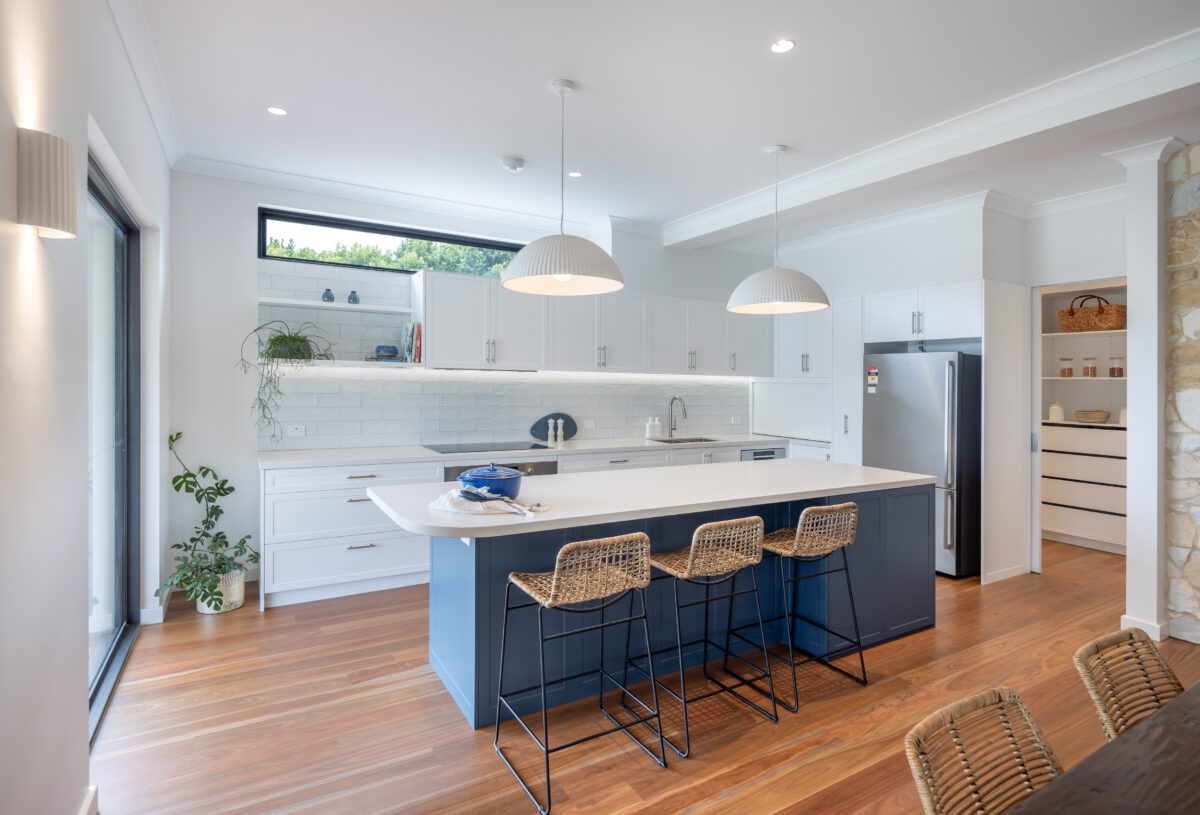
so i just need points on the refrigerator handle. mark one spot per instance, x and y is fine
(948, 450)
(949, 527)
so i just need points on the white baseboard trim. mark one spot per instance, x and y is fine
(154, 615)
(91, 801)
(1003, 574)
(292, 596)
(1156, 631)
(1086, 543)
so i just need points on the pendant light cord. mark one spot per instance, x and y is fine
(562, 161)
(777, 210)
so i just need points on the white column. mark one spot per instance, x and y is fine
(1148, 304)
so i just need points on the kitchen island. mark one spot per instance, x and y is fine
(472, 555)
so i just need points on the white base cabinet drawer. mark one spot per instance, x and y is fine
(1095, 440)
(288, 566)
(1099, 497)
(307, 479)
(1083, 524)
(614, 461)
(1084, 468)
(296, 516)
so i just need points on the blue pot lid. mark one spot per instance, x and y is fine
(491, 472)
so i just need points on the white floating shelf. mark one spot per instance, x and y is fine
(1085, 378)
(1082, 424)
(1059, 334)
(365, 307)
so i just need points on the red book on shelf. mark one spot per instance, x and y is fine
(417, 345)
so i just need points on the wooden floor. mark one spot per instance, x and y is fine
(330, 707)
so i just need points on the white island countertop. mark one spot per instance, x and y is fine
(582, 499)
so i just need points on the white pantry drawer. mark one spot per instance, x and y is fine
(1084, 496)
(1084, 468)
(294, 516)
(1096, 440)
(614, 461)
(1083, 524)
(304, 479)
(288, 566)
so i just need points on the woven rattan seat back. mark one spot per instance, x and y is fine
(982, 755)
(591, 570)
(1127, 678)
(824, 530)
(722, 547)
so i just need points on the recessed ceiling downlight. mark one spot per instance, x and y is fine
(782, 46)
(275, 110)
(575, 174)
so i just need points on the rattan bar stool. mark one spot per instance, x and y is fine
(588, 577)
(983, 754)
(1126, 677)
(720, 551)
(821, 533)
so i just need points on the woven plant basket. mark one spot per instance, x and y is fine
(233, 593)
(1091, 416)
(1104, 316)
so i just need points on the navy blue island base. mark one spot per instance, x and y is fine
(891, 565)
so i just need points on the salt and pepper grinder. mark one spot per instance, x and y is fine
(551, 439)
(558, 436)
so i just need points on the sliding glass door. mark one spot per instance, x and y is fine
(113, 517)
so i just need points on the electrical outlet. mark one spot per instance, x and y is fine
(735, 419)
(295, 430)
(589, 424)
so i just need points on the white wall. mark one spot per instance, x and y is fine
(705, 274)
(1068, 246)
(62, 62)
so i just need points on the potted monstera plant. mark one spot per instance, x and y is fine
(275, 345)
(209, 567)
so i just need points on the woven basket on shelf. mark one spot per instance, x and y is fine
(1103, 316)
(1091, 416)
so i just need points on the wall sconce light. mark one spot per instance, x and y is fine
(46, 183)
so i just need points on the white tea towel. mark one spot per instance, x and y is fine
(454, 502)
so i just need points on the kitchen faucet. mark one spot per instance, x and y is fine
(671, 414)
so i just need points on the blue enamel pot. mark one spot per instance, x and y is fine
(498, 480)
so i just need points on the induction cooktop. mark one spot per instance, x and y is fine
(485, 446)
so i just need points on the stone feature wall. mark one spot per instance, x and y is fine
(1183, 393)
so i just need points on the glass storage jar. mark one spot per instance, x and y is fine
(1116, 367)
(1089, 366)
(1066, 366)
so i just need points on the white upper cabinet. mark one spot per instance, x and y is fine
(474, 322)
(751, 344)
(667, 348)
(945, 312)
(605, 333)
(708, 337)
(804, 345)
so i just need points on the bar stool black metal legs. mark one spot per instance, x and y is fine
(719, 553)
(822, 533)
(588, 577)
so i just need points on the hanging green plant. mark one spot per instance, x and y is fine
(277, 344)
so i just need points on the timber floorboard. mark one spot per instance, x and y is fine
(331, 707)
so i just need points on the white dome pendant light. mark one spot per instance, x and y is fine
(562, 264)
(777, 290)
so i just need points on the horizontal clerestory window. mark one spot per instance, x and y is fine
(307, 238)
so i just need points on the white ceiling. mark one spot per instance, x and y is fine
(675, 99)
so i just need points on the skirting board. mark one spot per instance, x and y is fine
(1156, 631)
(287, 598)
(91, 801)
(1087, 543)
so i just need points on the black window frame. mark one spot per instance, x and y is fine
(311, 219)
(128, 418)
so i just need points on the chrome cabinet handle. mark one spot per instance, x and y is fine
(845, 424)
(357, 500)
(733, 362)
(618, 461)
(598, 364)
(487, 350)
(604, 356)
(368, 475)
(913, 324)
(360, 546)
(920, 322)
(493, 350)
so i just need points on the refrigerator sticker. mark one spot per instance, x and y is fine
(872, 378)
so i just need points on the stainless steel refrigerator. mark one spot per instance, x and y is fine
(921, 413)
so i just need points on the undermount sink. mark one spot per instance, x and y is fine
(683, 439)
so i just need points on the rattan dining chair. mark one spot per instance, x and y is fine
(984, 754)
(1126, 677)
(588, 578)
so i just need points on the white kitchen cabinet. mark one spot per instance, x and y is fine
(606, 333)
(848, 381)
(1083, 484)
(949, 311)
(751, 345)
(804, 345)
(614, 461)
(814, 452)
(323, 537)
(667, 348)
(708, 337)
(474, 322)
(704, 455)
